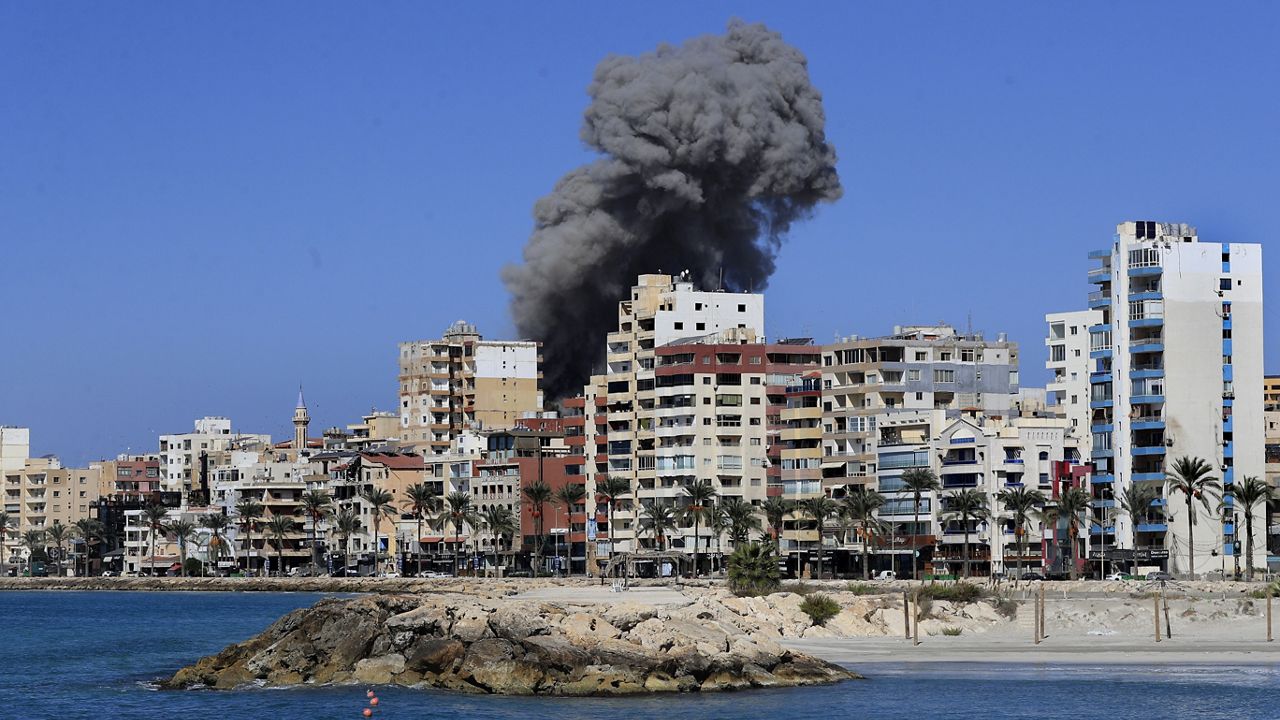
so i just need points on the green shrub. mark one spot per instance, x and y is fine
(753, 570)
(193, 567)
(952, 631)
(1261, 594)
(820, 608)
(861, 588)
(960, 592)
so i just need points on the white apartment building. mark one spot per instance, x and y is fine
(618, 416)
(1176, 370)
(1068, 349)
(180, 453)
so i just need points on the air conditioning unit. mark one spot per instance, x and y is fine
(1228, 395)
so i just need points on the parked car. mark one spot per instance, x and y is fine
(1030, 575)
(110, 573)
(1159, 575)
(1117, 576)
(887, 575)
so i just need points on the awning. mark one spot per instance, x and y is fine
(432, 539)
(832, 465)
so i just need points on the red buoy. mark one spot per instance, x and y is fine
(373, 701)
(368, 712)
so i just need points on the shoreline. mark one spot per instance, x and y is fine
(866, 655)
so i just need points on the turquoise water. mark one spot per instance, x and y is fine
(71, 655)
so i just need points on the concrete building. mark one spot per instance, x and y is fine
(614, 426)
(1176, 370)
(463, 381)
(799, 463)
(184, 456)
(1068, 349)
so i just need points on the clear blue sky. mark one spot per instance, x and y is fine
(203, 205)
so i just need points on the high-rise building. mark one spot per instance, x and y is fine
(1068, 346)
(184, 457)
(463, 381)
(1176, 370)
(614, 426)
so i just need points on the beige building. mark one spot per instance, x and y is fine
(463, 381)
(39, 492)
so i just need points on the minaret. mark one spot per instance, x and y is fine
(300, 421)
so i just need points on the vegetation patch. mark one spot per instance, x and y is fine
(960, 592)
(952, 631)
(801, 588)
(1005, 606)
(753, 570)
(820, 608)
(861, 588)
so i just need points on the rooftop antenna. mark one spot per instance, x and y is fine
(721, 288)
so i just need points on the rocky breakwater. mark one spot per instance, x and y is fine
(507, 646)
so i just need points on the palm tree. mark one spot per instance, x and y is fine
(753, 570)
(461, 512)
(5, 521)
(570, 495)
(249, 511)
(1135, 501)
(278, 527)
(381, 505)
(153, 516)
(612, 488)
(90, 531)
(718, 521)
(1190, 476)
(347, 523)
(420, 500)
(1248, 494)
(57, 533)
(742, 518)
(918, 481)
(860, 506)
(701, 496)
(33, 541)
(656, 520)
(1070, 506)
(776, 510)
(1020, 503)
(317, 505)
(181, 530)
(820, 509)
(216, 524)
(501, 522)
(538, 494)
(967, 505)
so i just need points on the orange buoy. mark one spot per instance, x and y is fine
(369, 694)
(368, 712)
(373, 701)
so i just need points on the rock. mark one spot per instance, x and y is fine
(477, 645)
(379, 670)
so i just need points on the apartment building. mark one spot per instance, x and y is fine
(462, 381)
(613, 427)
(915, 368)
(788, 363)
(799, 454)
(1176, 370)
(1068, 349)
(184, 464)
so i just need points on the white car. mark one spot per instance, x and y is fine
(1115, 576)
(887, 575)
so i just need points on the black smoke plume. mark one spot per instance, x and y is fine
(710, 151)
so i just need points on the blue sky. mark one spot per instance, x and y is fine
(203, 205)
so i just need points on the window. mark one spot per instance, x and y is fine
(1074, 328)
(1224, 284)
(1077, 352)
(742, 307)
(944, 376)
(700, 326)
(921, 356)
(755, 441)
(755, 401)
(706, 380)
(1057, 353)
(966, 355)
(913, 375)
(919, 396)
(679, 326)
(944, 357)
(755, 379)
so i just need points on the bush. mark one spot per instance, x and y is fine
(193, 567)
(1261, 594)
(1005, 606)
(960, 592)
(952, 631)
(800, 588)
(820, 608)
(753, 570)
(861, 588)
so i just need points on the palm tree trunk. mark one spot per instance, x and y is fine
(915, 535)
(817, 562)
(153, 553)
(1134, 531)
(612, 533)
(1071, 557)
(1020, 532)
(695, 546)
(866, 555)
(966, 547)
(1191, 540)
(419, 543)
(1248, 540)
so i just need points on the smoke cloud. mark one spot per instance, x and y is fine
(710, 151)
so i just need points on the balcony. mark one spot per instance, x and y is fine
(1146, 271)
(1099, 299)
(1152, 527)
(1100, 275)
(1148, 477)
(1147, 400)
(1149, 450)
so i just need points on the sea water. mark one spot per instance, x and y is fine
(94, 655)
